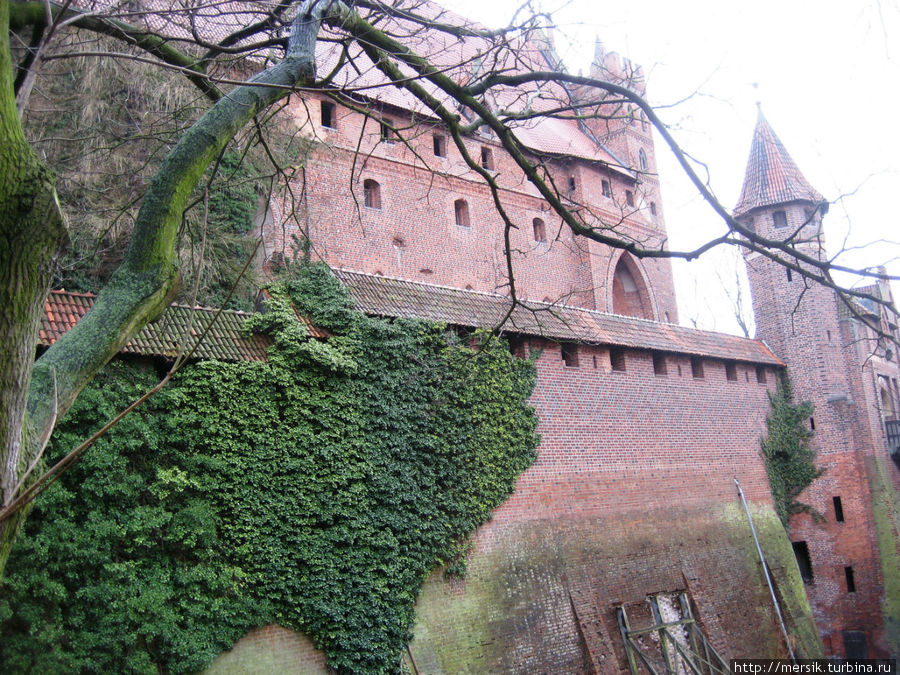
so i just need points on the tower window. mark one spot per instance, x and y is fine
(371, 194)
(801, 552)
(326, 114)
(607, 189)
(838, 509)
(569, 353)
(617, 359)
(540, 231)
(731, 371)
(388, 134)
(572, 184)
(659, 364)
(697, 367)
(761, 374)
(439, 145)
(653, 209)
(851, 582)
(629, 197)
(487, 158)
(779, 219)
(642, 158)
(790, 277)
(462, 212)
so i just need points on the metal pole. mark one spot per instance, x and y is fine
(765, 567)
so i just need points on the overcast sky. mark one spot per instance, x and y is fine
(827, 74)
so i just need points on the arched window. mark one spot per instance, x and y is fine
(630, 296)
(540, 231)
(462, 212)
(371, 194)
(642, 158)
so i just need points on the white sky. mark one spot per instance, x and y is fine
(827, 73)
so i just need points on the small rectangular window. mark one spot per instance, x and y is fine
(487, 158)
(607, 189)
(388, 134)
(653, 208)
(569, 353)
(851, 582)
(761, 374)
(327, 111)
(629, 197)
(572, 184)
(617, 359)
(838, 509)
(801, 552)
(697, 367)
(730, 371)
(855, 645)
(659, 364)
(439, 145)
(779, 219)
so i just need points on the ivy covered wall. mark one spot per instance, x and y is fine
(317, 491)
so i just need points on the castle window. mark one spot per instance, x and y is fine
(790, 277)
(617, 359)
(642, 158)
(326, 114)
(388, 134)
(487, 158)
(540, 231)
(629, 197)
(838, 509)
(801, 552)
(653, 209)
(572, 184)
(855, 644)
(761, 374)
(461, 209)
(371, 194)
(697, 367)
(812, 423)
(439, 145)
(659, 364)
(779, 219)
(851, 582)
(731, 371)
(607, 189)
(569, 353)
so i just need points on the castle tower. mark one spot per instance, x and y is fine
(802, 322)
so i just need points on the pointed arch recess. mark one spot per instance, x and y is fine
(630, 293)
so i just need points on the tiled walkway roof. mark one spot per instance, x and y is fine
(384, 296)
(771, 176)
(225, 340)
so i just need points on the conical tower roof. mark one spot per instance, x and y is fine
(771, 176)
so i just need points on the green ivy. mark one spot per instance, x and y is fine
(790, 462)
(316, 490)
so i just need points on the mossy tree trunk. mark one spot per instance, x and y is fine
(32, 233)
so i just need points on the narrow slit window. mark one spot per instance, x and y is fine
(439, 145)
(327, 114)
(838, 509)
(761, 374)
(462, 212)
(607, 188)
(653, 209)
(540, 230)
(569, 353)
(487, 158)
(371, 194)
(731, 371)
(801, 552)
(697, 367)
(617, 359)
(572, 184)
(790, 276)
(851, 582)
(642, 158)
(812, 423)
(659, 364)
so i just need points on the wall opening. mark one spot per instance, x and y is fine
(461, 209)
(388, 133)
(731, 371)
(439, 145)
(569, 353)
(371, 194)
(761, 374)
(801, 553)
(540, 230)
(659, 364)
(697, 367)
(838, 509)
(630, 295)
(855, 645)
(487, 158)
(617, 359)
(851, 581)
(327, 114)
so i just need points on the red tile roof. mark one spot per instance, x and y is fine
(224, 341)
(771, 176)
(384, 296)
